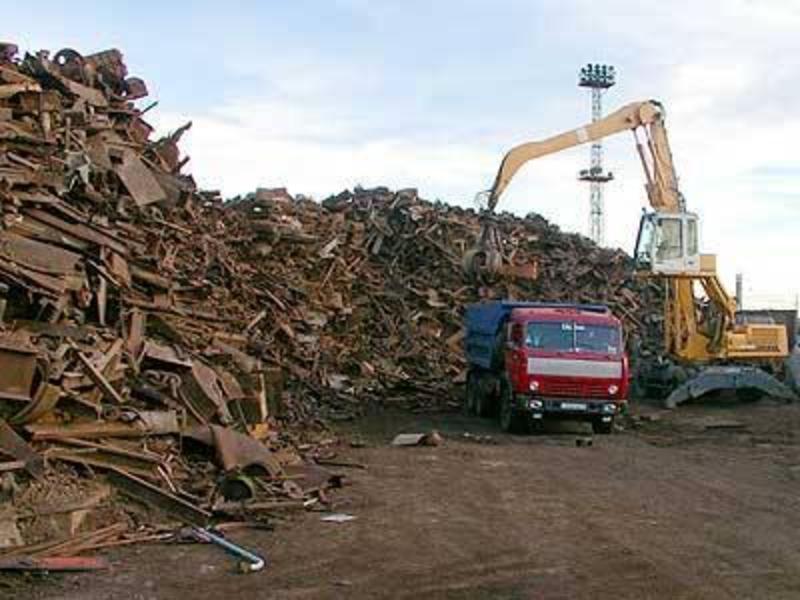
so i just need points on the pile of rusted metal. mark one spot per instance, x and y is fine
(367, 290)
(132, 342)
(159, 344)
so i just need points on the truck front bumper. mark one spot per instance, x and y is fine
(571, 408)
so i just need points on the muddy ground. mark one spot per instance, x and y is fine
(702, 503)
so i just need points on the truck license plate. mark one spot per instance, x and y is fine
(573, 406)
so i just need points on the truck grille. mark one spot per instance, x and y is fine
(575, 389)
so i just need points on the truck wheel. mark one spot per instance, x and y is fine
(470, 401)
(483, 397)
(510, 420)
(602, 428)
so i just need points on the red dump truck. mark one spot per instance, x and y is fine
(533, 361)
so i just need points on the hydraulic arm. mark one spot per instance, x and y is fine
(662, 185)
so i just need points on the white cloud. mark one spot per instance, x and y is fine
(237, 157)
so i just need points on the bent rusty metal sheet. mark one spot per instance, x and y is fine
(16, 447)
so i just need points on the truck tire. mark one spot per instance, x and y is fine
(510, 419)
(470, 394)
(602, 428)
(484, 388)
(478, 396)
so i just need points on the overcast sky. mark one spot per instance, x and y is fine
(320, 96)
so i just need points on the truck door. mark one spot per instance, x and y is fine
(516, 363)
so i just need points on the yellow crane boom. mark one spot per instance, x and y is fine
(662, 184)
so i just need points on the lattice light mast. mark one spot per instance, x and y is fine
(598, 78)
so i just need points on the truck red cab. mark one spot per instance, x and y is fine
(532, 361)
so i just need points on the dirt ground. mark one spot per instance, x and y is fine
(702, 503)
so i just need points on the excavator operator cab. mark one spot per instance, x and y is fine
(667, 243)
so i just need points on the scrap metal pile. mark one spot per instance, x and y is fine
(367, 291)
(159, 344)
(132, 345)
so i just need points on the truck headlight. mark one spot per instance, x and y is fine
(609, 408)
(536, 404)
(613, 389)
(534, 385)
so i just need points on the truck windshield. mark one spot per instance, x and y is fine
(569, 336)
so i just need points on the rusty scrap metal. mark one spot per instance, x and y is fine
(47, 396)
(16, 447)
(135, 425)
(54, 563)
(236, 451)
(97, 377)
(17, 368)
(152, 495)
(104, 456)
(8, 51)
(69, 546)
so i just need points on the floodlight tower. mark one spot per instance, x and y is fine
(597, 78)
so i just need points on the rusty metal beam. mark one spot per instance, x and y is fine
(17, 367)
(154, 496)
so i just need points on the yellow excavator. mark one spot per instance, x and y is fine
(704, 336)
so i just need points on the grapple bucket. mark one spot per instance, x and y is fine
(479, 261)
(485, 260)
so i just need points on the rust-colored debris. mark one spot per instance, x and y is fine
(59, 563)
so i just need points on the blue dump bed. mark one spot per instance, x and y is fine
(484, 320)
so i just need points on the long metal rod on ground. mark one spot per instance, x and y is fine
(254, 561)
